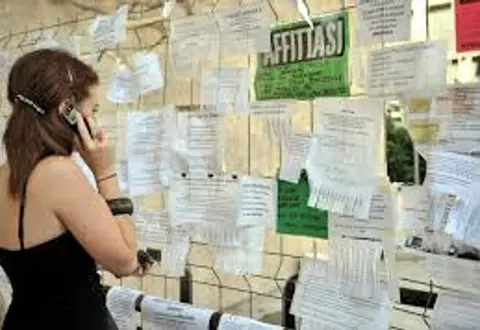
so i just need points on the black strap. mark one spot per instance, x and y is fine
(21, 215)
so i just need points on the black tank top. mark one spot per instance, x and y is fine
(55, 285)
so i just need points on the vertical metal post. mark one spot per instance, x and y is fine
(186, 287)
(416, 156)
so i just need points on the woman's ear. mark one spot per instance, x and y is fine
(63, 106)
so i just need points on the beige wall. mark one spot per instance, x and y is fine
(264, 158)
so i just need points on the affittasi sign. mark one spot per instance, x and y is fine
(305, 63)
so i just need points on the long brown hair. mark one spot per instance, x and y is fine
(43, 78)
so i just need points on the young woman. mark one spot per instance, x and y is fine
(54, 227)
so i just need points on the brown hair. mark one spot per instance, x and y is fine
(46, 77)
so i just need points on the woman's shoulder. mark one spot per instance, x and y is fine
(56, 171)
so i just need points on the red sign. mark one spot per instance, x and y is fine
(467, 25)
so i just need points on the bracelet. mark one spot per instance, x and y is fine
(120, 206)
(108, 177)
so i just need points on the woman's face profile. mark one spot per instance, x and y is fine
(89, 106)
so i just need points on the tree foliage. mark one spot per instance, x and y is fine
(400, 154)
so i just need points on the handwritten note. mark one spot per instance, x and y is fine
(295, 157)
(226, 89)
(380, 21)
(109, 30)
(245, 29)
(149, 136)
(417, 69)
(161, 314)
(121, 304)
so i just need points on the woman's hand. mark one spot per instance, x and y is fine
(95, 151)
(145, 263)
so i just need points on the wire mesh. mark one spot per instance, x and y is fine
(262, 296)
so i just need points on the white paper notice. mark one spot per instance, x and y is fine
(209, 203)
(453, 272)
(342, 158)
(277, 115)
(246, 257)
(379, 225)
(463, 132)
(456, 310)
(152, 227)
(383, 21)
(161, 314)
(415, 206)
(226, 89)
(121, 304)
(315, 296)
(257, 205)
(150, 135)
(450, 173)
(198, 144)
(417, 69)
(122, 87)
(464, 220)
(231, 322)
(109, 30)
(246, 29)
(294, 157)
(356, 265)
(148, 73)
(193, 41)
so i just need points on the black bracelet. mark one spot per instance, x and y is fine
(120, 206)
(108, 177)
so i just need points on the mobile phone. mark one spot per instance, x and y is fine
(70, 115)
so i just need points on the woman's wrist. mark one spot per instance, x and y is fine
(99, 174)
(110, 188)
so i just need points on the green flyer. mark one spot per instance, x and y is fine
(294, 216)
(305, 63)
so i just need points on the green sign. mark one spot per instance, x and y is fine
(306, 63)
(294, 216)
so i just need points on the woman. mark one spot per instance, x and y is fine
(54, 227)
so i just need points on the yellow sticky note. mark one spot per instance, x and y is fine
(419, 105)
(424, 130)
